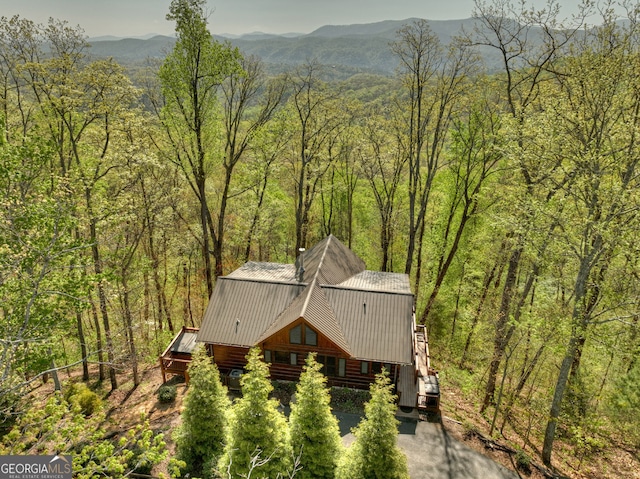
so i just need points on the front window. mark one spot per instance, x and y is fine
(282, 357)
(328, 365)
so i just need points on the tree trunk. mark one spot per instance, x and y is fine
(483, 297)
(500, 343)
(129, 324)
(558, 394)
(83, 347)
(96, 322)
(204, 213)
(102, 296)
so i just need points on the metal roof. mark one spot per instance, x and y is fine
(185, 343)
(240, 310)
(275, 272)
(379, 281)
(377, 325)
(331, 262)
(367, 314)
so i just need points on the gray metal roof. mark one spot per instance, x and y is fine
(378, 281)
(274, 272)
(377, 326)
(240, 310)
(367, 314)
(312, 305)
(331, 262)
(185, 343)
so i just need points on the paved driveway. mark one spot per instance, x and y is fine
(433, 454)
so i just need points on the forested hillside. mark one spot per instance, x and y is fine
(509, 194)
(346, 48)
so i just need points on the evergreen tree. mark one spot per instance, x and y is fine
(258, 439)
(375, 454)
(200, 438)
(315, 434)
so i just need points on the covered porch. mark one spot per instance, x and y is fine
(176, 358)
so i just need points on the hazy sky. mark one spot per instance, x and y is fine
(140, 17)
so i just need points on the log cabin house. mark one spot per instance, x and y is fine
(357, 321)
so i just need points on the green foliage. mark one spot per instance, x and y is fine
(79, 395)
(315, 435)
(201, 436)
(625, 404)
(283, 391)
(349, 400)
(196, 65)
(36, 290)
(375, 454)
(523, 461)
(58, 428)
(167, 393)
(258, 441)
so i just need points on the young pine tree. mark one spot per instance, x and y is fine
(375, 454)
(258, 438)
(315, 435)
(200, 438)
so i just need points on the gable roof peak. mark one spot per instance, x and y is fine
(330, 262)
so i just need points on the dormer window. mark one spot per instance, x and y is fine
(295, 334)
(310, 337)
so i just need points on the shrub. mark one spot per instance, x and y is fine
(167, 393)
(523, 461)
(79, 395)
(349, 400)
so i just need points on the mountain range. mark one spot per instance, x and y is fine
(359, 47)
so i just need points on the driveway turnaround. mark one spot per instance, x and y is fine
(434, 454)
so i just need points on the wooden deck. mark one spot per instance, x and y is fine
(176, 358)
(418, 384)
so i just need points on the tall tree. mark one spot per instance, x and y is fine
(315, 435)
(599, 116)
(375, 452)
(241, 94)
(258, 441)
(508, 29)
(476, 153)
(433, 79)
(37, 291)
(313, 105)
(383, 165)
(190, 77)
(200, 438)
